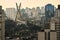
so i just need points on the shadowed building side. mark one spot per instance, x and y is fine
(2, 24)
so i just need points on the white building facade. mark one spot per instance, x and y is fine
(11, 13)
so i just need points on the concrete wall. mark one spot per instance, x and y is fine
(53, 36)
(41, 35)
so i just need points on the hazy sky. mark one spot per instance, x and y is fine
(27, 3)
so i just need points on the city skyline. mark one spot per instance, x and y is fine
(29, 20)
(28, 3)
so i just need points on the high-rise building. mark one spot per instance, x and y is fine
(57, 13)
(47, 34)
(54, 10)
(52, 24)
(49, 10)
(22, 12)
(2, 24)
(38, 10)
(49, 13)
(42, 11)
(38, 13)
(24, 15)
(55, 22)
(33, 12)
(28, 12)
(11, 13)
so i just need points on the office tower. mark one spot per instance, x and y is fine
(56, 22)
(11, 13)
(49, 13)
(2, 24)
(28, 12)
(38, 10)
(24, 15)
(57, 13)
(52, 24)
(47, 34)
(23, 12)
(33, 12)
(42, 22)
(42, 15)
(42, 11)
(38, 13)
(49, 10)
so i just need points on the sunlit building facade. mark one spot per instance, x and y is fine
(11, 13)
(47, 34)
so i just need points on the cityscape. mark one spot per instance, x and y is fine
(30, 23)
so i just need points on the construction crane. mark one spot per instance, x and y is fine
(19, 19)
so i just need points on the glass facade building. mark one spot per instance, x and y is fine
(49, 10)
